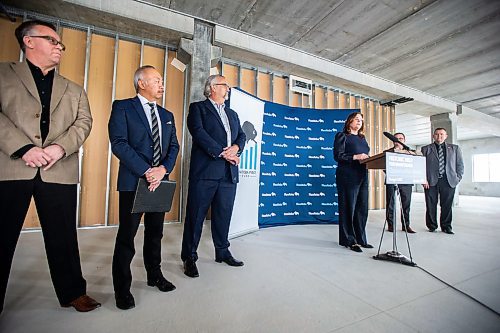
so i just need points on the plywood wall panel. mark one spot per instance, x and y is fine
(72, 64)
(343, 98)
(95, 149)
(9, 48)
(129, 56)
(319, 98)
(230, 72)
(330, 99)
(264, 87)
(280, 90)
(248, 81)
(174, 102)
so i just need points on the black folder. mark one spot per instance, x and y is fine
(160, 200)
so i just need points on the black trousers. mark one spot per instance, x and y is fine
(390, 197)
(56, 207)
(446, 193)
(353, 207)
(220, 195)
(124, 245)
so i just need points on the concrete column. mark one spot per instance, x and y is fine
(448, 121)
(200, 55)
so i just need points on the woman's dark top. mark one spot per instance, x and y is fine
(347, 145)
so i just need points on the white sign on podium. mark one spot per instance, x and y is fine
(405, 169)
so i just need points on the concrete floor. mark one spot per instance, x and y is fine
(295, 279)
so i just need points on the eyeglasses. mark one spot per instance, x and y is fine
(51, 40)
(222, 84)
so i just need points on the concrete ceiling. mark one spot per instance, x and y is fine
(447, 48)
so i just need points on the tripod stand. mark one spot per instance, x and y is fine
(394, 255)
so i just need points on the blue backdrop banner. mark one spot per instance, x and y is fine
(297, 169)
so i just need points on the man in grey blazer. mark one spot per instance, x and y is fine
(442, 179)
(44, 120)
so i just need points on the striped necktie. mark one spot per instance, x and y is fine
(156, 136)
(441, 160)
(225, 122)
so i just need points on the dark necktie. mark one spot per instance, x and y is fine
(441, 160)
(156, 136)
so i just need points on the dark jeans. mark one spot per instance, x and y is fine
(56, 208)
(446, 194)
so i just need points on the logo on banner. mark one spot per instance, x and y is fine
(248, 159)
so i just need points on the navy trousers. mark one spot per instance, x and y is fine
(219, 194)
(352, 190)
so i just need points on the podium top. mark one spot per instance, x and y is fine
(377, 162)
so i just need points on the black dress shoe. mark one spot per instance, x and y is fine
(390, 228)
(125, 302)
(162, 284)
(409, 230)
(432, 229)
(367, 246)
(355, 248)
(448, 231)
(231, 261)
(190, 268)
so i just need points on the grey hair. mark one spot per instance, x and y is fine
(138, 75)
(208, 84)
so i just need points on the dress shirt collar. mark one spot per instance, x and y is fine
(144, 101)
(218, 107)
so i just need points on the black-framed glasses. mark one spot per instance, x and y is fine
(51, 40)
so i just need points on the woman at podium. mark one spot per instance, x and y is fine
(349, 148)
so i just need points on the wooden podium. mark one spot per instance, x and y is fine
(376, 162)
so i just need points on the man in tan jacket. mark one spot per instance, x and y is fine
(44, 120)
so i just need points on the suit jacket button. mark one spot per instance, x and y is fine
(37, 136)
(37, 115)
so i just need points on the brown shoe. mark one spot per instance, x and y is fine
(389, 228)
(409, 230)
(83, 303)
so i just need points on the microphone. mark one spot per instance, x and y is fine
(395, 140)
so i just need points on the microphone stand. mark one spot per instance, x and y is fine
(394, 255)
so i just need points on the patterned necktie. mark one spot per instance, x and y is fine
(441, 160)
(225, 122)
(156, 135)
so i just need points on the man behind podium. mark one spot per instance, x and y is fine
(44, 120)
(142, 136)
(404, 191)
(218, 140)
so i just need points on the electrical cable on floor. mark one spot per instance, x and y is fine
(460, 291)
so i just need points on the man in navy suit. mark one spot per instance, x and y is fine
(142, 136)
(218, 141)
(442, 179)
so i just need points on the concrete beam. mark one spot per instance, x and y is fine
(429, 104)
(263, 47)
(477, 120)
(142, 12)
